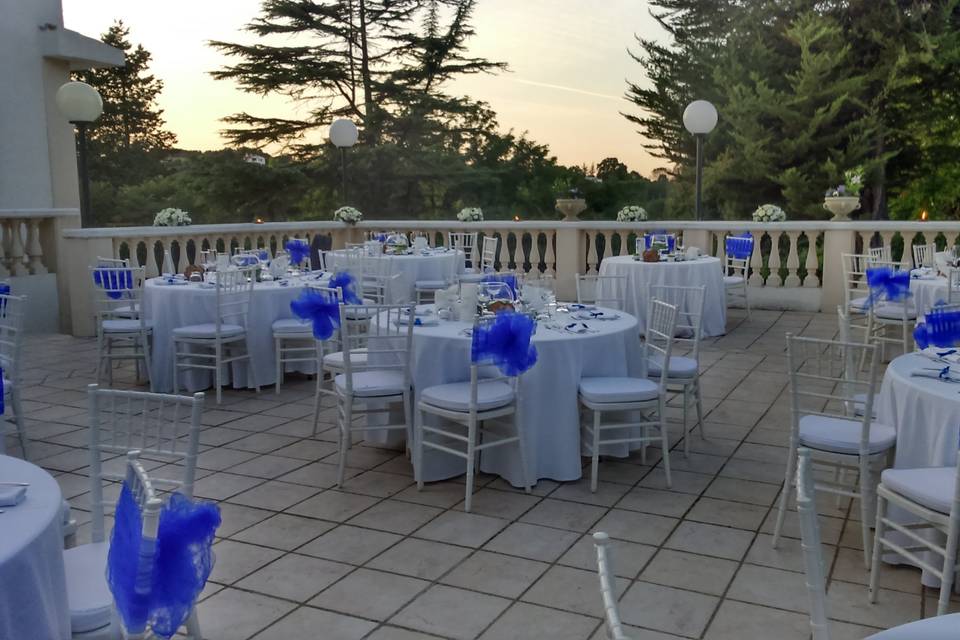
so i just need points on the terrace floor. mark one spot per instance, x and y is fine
(379, 560)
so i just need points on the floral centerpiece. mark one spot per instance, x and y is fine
(769, 213)
(632, 213)
(348, 215)
(171, 217)
(470, 214)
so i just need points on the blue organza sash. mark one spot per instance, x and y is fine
(739, 247)
(114, 281)
(505, 341)
(298, 250)
(345, 282)
(941, 328)
(321, 309)
(887, 284)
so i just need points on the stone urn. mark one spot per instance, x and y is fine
(571, 208)
(841, 206)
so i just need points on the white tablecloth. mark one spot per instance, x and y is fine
(172, 306)
(549, 411)
(413, 267)
(641, 275)
(926, 415)
(927, 292)
(33, 587)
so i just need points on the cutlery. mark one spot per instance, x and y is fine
(15, 484)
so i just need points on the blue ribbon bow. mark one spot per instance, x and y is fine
(660, 236)
(114, 281)
(941, 328)
(183, 560)
(887, 284)
(264, 255)
(321, 309)
(506, 342)
(739, 247)
(345, 282)
(298, 250)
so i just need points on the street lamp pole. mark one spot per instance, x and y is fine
(700, 137)
(343, 134)
(81, 105)
(700, 118)
(86, 212)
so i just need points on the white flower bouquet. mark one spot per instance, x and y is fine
(171, 217)
(633, 213)
(470, 214)
(769, 213)
(348, 215)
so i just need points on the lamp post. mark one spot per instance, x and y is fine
(81, 105)
(700, 117)
(343, 134)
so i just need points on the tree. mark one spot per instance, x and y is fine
(361, 59)
(125, 140)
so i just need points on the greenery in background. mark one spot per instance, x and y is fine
(806, 90)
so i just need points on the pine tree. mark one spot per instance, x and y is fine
(124, 140)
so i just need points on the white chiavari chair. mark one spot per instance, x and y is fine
(608, 593)
(923, 255)
(736, 268)
(11, 342)
(856, 292)
(603, 291)
(891, 321)
(213, 345)
(953, 285)
(822, 391)
(426, 290)
(880, 254)
(622, 394)
(465, 241)
(684, 370)
(488, 258)
(164, 429)
(123, 333)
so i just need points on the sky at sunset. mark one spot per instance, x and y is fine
(568, 68)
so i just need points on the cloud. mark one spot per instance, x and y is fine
(558, 87)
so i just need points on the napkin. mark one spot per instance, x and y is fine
(949, 355)
(937, 374)
(923, 273)
(12, 496)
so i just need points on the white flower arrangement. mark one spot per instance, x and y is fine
(171, 217)
(470, 214)
(632, 213)
(348, 215)
(769, 213)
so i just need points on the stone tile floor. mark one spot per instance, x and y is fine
(379, 560)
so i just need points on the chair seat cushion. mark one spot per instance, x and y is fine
(359, 313)
(491, 394)
(840, 435)
(858, 304)
(680, 367)
(618, 389)
(894, 311)
(732, 280)
(933, 487)
(126, 310)
(335, 360)
(123, 326)
(292, 326)
(430, 285)
(207, 330)
(860, 402)
(88, 595)
(373, 384)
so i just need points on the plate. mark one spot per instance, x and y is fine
(595, 315)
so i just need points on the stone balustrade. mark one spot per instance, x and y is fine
(795, 265)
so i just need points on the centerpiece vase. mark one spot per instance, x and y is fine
(841, 206)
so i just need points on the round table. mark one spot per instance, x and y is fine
(704, 271)
(549, 409)
(926, 415)
(436, 264)
(170, 306)
(927, 291)
(33, 587)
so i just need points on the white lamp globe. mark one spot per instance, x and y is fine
(79, 102)
(343, 133)
(700, 117)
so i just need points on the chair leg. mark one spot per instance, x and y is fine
(418, 448)
(18, 421)
(595, 452)
(109, 346)
(949, 565)
(527, 484)
(785, 494)
(665, 444)
(471, 464)
(176, 367)
(686, 431)
(699, 399)
(877, 536)
(100, 355)
(218, 377)
(278, 344)
(146, 360)
(317, 397)
(867, 498)
(746, 299)
(346, 419)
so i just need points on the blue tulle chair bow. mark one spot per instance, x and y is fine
(115, 282)
(505, 341)
(345, 282)
(264, 255)
(506, 278)
(321, 309)
(298, 249)
(941, 328)
(739, 247)
(887, 284)
(662, 237)
(182, 562)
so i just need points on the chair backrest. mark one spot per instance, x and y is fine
(611, 608)
(161, 426)
(112, 262)
(953, 285)
(388, 331)
(689, 304)
(923, 255)
(737, 252)
(350, 259)
(488, 257)
(118, 292)
(379, 275)
(11, 334)
(880, 254)
(604, 291)
(658, 345)
(810, 542)
(465, 241)
(234, 291)
(826, 380)
(855, 267)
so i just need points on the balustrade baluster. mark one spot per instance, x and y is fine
(793, 260)
(756, 260)
(17, 266)
(812, 263)
(4, 271)
(34, 250)
(551, 261)
(592, 265)
(773, 262)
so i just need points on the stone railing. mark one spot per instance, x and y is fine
(796, 265)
